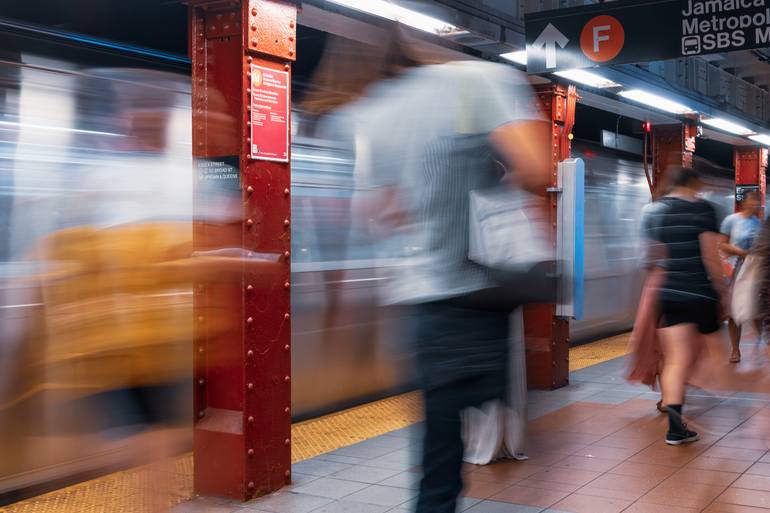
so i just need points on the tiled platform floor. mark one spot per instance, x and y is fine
(595, 447)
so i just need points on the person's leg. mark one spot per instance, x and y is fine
(442, 453)
(442, 449)
(756, 325)
(661, 405)
(463, 359)
(735, 341)
(679, 344)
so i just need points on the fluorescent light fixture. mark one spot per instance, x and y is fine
(519, 57)
(761, 139)
(727, 126)
(391, 11)
(587, 78)
(653, 100)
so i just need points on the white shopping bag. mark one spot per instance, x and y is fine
(745, 297)
(492, 432)
(508, 229)
(483, 433)
(498, 429)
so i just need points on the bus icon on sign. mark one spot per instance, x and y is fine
(691, 45)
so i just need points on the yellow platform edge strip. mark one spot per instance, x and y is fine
(153, 488)
(597, 352)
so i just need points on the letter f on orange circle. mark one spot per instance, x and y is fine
(598, 37)
(602, 38)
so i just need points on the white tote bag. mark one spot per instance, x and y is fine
(498, 429)
(508, 229)
(745, 294)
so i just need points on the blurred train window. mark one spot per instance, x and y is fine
(617, 190)
(325, 227)
(94, 146)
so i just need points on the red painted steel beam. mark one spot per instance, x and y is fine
(546, 336)
(672, 145)
(750, 167)
(242, 436)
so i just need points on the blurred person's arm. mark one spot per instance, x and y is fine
(655, 253)
(730, 249)
(709, 247)
(525, 148)
(724, 239)
(500, 102)
(384, 205)
(386, 208)
(225, 264)
(711, 239)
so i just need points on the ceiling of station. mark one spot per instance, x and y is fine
(737, 83)
(753, 66)
(157, 24)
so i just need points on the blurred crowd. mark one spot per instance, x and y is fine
(96, 294)
(456, 154)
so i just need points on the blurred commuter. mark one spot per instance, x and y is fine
(646, 361)
(739, 231)
(435, 135)
(97, 320)
(332, 107)
(749, 288)
(683, 234)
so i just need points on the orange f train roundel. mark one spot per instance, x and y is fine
(602, 38)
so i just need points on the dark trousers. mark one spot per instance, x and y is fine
(463, 359)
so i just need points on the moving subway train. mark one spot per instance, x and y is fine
(95, 168)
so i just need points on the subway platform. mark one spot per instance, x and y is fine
(595, 446)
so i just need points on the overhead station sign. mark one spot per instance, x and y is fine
(643, 30)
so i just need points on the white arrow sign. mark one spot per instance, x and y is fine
(549, 38)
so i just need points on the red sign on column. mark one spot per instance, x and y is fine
(269, 114)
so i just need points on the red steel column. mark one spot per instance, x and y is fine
(671, 145)
(242, 326)
(750, 166)
(546, 336)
